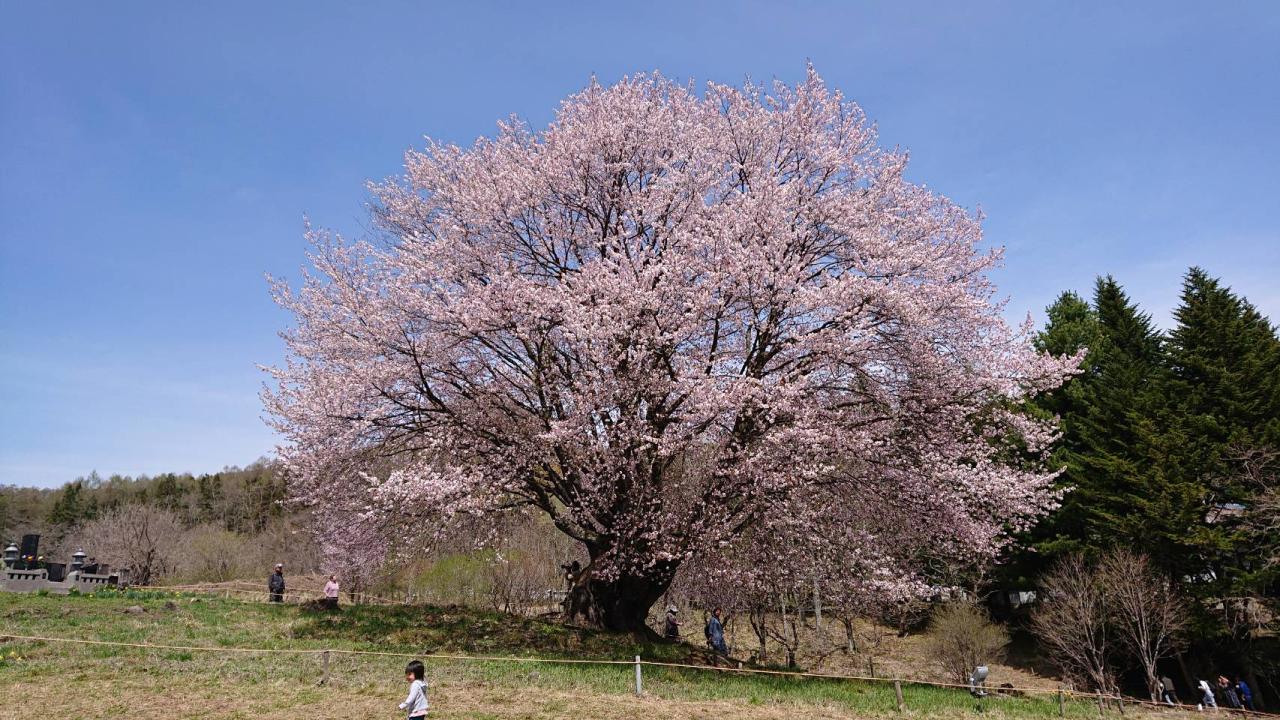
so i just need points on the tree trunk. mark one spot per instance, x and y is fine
(758, 618)
(620, 605)
(1153, 681)
(817, 606)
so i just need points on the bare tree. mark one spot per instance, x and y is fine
(214, 554)
(787, 631)
(1073, 620)
(1149, 614)
(1259, 469)
(144, 539)
(962, 636)
(1264, 519)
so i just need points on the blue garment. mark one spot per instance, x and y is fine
(715, 635)
(1245, 694)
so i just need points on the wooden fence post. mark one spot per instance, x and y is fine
(639, 685)
(897, 691)
(1062, 709)
(324, 667)
(1099, 704)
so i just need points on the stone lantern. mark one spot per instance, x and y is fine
(11, 555)
(77, 560)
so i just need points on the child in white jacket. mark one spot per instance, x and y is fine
(1206, 696)
(415, 674)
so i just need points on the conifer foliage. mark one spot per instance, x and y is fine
(1170, 446)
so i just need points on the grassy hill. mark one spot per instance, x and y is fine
(75, 680)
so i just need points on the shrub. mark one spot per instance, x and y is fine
(961, 637)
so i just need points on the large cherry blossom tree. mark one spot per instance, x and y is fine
(663, 320)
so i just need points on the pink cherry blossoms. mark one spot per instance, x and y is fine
(677, 324)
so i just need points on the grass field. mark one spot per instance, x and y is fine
(43, 679)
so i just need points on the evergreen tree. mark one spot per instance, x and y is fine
(71, 508)
(210, 498)
(1222, 407)
(170, 494)
(1105, 423)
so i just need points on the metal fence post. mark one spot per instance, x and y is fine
(897, 690)
(639, 683)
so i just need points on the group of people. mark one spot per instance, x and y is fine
(415, 673)
(276, 587)
(713, 630)
(1234, 694)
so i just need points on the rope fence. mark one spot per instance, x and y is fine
(1062, 694)
(248, 590)
(289, 596)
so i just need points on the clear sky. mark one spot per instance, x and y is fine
(156, 161)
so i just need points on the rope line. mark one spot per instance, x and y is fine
(314, 651)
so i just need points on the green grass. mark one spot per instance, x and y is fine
(277, 683)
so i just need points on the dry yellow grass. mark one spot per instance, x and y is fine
(144, 700)
(894, 657)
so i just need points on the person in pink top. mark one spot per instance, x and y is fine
(331, 593)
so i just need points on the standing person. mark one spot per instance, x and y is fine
(672, 629)
(275, 584)
(1228, 692)
(416, 675)
(1206, 695)
(331, 593)
(715, 633)
(1246, 694)
(1167, 693)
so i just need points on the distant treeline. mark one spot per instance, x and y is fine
(240, 500)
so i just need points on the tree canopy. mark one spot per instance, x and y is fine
(664, 321)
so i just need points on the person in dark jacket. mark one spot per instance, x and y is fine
(1228, 692)
(1167, 693)
(715, 633)
(671, 629)
(275, 584)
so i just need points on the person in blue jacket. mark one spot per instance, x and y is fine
(715, 633)
(1246, 694)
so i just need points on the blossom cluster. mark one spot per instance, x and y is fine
(675, 322)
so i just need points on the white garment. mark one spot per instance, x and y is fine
(1207, 692)
(416, 703)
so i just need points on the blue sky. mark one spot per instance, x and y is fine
(156, 161)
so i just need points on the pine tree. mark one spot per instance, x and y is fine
(1105, 423)
(71, 508)
(1223, 405)
(169, 493)
(210, 498)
